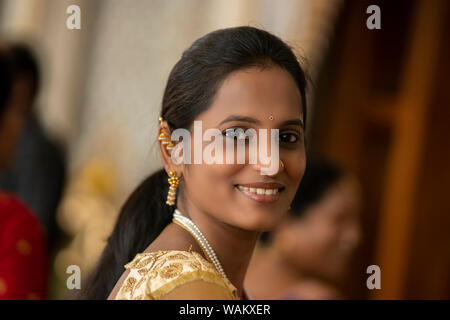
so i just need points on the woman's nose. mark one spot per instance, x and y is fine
(268, 170)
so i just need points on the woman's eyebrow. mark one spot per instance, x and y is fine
(239, 118)
(297, 122)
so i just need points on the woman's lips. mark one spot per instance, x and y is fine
(260, 194)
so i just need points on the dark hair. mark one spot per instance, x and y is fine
(25, 63)
(319, 177)
(5, 80)
(190, 89)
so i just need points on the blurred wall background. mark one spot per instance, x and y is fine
(379, 106)
(381, 109)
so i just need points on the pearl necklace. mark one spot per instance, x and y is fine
(201, 239)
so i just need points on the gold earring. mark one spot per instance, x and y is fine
(173, 181)
(164, 137)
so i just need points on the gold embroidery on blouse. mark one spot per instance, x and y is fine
(143, 271)
(171, 271)
(199, 256)
(195, 265)
(143, 263)
(159, 263)
(138, 284)
(177, 256)
(159, 254)
(153, 274)
(162, 271)
(129, 285)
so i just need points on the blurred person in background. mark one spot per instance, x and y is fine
(23, 250)
(38, 170)
(307, 255)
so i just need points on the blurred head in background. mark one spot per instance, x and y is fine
(26, 76)
(316, 240)
(6, 79)
(19, 85)
(322, 229)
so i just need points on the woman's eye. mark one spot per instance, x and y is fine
(239, 134)
(235, 133)
(289, 137)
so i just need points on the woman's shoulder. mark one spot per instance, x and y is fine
(167, 273)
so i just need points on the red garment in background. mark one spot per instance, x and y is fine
(23, 252)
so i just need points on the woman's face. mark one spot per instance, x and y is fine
(266, 98)
(322, 242)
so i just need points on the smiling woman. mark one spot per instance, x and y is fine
(230, 79)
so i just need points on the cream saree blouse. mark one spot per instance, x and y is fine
(155, 274)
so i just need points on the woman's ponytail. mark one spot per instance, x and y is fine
(141, 219)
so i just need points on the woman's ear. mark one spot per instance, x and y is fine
(166, 146)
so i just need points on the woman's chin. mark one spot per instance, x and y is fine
(259, 222)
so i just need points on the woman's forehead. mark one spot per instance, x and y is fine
(267, 95)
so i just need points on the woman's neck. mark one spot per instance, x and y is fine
(233, 246)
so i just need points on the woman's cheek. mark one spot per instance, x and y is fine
(208, 184)
(295, 169)
(299, 167)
